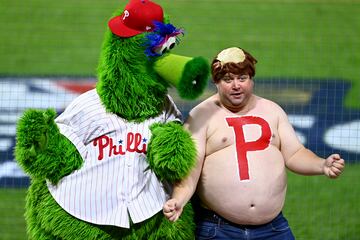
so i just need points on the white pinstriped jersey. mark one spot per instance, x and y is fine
(114, 181)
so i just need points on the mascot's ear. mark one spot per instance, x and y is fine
(189, 75)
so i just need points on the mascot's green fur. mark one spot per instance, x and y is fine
(133, 86)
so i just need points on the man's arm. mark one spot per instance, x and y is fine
(302, 160)
(305, 162)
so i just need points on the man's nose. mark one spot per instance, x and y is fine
(236, 83)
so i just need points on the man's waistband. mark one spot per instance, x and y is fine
(209, 215)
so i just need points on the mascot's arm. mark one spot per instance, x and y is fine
(41, 150)
(171, 151)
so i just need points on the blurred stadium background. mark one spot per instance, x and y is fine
(308, 53)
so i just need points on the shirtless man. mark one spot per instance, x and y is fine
(245, 143)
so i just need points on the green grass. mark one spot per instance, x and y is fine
(319, 208)
(316, 207)
(290, 38)
(12, 221)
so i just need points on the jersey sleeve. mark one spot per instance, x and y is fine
(70, 124)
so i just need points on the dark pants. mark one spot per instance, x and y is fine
(209, 225)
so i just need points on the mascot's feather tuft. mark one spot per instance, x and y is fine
(159, 36)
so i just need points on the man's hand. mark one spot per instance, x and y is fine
(172, 210)
(333, 166)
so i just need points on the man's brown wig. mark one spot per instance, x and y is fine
(219, 68)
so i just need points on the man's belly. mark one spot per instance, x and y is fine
(251, 193)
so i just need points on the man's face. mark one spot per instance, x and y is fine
(235, 91)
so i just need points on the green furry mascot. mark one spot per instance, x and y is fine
(104, 167)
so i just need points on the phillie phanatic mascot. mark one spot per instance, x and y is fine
(104, 167)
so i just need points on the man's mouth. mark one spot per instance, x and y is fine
(236, 94)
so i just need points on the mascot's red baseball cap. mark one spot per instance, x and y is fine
(138, 17)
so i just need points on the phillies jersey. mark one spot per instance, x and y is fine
(115, 182)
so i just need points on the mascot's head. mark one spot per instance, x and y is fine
(146, 16)
(136, 68)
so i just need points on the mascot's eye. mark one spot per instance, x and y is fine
(166, 46)
(162, 39)
(160, 49)
(171, 43)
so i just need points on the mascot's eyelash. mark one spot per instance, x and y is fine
(159, 36)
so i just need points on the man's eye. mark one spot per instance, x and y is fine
(244, 77)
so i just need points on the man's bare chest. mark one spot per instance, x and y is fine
(247, 133)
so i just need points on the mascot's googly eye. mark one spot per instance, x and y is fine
(171, 42)
(162, 39)
(160, 49)
(166, 46)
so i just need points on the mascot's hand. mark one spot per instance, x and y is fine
(32, 131)
(40, 148)
(171, 151)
